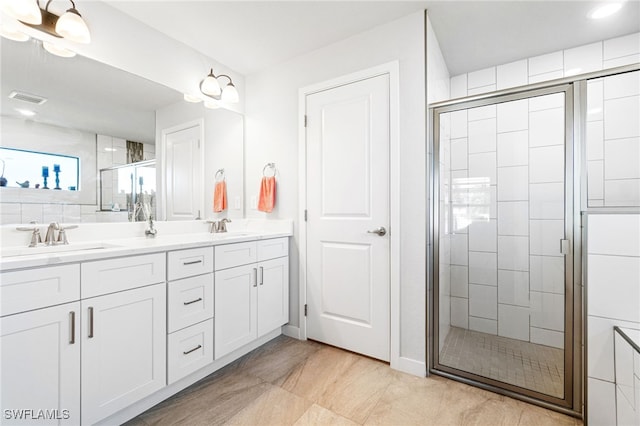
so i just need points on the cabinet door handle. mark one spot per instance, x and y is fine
(72, 322)
(90, 322)
(261, 275)
(194, 349)
(193, 301)
(255, 277)
(193, 262)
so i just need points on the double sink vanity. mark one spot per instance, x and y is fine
(98, 331)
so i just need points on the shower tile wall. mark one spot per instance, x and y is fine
(507, 217)
(445, 270)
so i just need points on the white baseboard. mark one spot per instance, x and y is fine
(411, 366)
(291, 331)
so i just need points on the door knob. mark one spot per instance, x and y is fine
(380, 231)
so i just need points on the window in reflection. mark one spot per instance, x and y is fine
(40, 170)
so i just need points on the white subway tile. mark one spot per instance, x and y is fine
(10, 213)
(32, 212)
(546, 127)
(546, 63)
(622, 85)
(459, 281)
(483, 89)
(551, 338)
(628, 407)
(546, 164)
(513, 322)
(482, 136)
(513, 74)
(480, 78)
(600, 350)
(540, 103)
(483, 268)
(458, 124)
(545, 237)
(482, 201)
(622, 159)
(483, 301)
(459, 86)
(619, 62)
(547, 311)
(513, 218)
(613, 290)
(513, 148)
(621, 118)
(622, 193)
(482, 168)
(459, 185)
(513, 184)
(459, 154)
(483, 235)
(548, 76)
(513, 116)
(513, 253)
(546, 201)
(601, 403)
(459, 249)
(583, 59)
(460, 312)
(483, 325)
(547, 274)
(71, 213)
(595, 100)
(595, 180)
(482, 113)
(513, 289)
(595, 140)
(622, 46)
(52, 213)
(614, 234)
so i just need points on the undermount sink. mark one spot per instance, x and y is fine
(55, 249)
(222, 235)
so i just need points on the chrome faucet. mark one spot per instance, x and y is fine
(50, 238)
(218, 225)
(150, 232)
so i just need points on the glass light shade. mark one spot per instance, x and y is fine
(57, 50)
(210, 85)
(230, 94)
(211, 104)
(191, 98)
(11, 33)
(72, 27)
(24, 10)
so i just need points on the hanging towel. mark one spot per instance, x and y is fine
(220, 196)
(267, 199)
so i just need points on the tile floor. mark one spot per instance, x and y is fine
(291, 382)
(524, 364)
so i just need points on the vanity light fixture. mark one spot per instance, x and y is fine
(211, 104)
(12, 33)
(210, 86)
(26, 11)
(54, 49)
(192, 98)
(69, 25)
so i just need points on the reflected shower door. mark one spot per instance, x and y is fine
(503, 237)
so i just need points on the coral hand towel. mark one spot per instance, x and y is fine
(267, 198)
(220, 197)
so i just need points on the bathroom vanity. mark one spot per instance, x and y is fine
(101, 333)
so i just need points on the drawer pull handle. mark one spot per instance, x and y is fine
(193, 301)
(193, 262)
(90, 323)
(72, 322)
(194, 349)
(255, 277)
(261, 275)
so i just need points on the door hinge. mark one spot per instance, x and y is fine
(305, 215)
(305, 309)
(305, 121)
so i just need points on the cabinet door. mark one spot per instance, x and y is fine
(235, 308)
(273, 294)
(123, 349)
(40, 367)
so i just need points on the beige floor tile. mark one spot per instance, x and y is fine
(317, 416)
(274, 407)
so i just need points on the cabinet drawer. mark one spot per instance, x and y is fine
(270, 249)
(39, 287)
(188, 263)
(124, 273)
(190, 301)
(189, 350)
(230, 255)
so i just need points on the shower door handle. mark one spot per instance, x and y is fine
(380, 231)
(564, 247)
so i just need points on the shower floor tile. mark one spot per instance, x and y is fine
(529, 365)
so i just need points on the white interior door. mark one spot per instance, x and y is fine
(183, 175)
(348, 265)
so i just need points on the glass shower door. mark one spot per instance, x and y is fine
(503, 237)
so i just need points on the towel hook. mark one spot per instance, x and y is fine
(219, 175)
(271, 166)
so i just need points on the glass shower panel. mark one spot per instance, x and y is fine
(501, 288)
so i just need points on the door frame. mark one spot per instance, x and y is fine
(392, 69)
(161, 181)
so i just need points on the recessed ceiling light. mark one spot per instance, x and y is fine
(26, 112)
(605, 10)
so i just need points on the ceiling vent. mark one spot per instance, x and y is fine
(26, 97)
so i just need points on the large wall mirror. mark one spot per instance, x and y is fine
(99, 117)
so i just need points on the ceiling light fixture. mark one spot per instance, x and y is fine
(69, 25)
(54, 49)
(192, 98)
(12, 33)
(210, 86)
(26, 11)
(605, 10)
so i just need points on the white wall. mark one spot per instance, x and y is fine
(272, 136)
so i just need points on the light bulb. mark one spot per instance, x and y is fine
(58, 50)
(230, 94)
(72, 27)
(26, 11)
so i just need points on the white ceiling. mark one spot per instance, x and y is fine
(249, 36)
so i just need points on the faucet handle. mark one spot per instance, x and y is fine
(35, 236)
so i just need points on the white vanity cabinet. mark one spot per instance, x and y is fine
(123, 333)
(190, 310)
(251, 291)
(39, 346)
